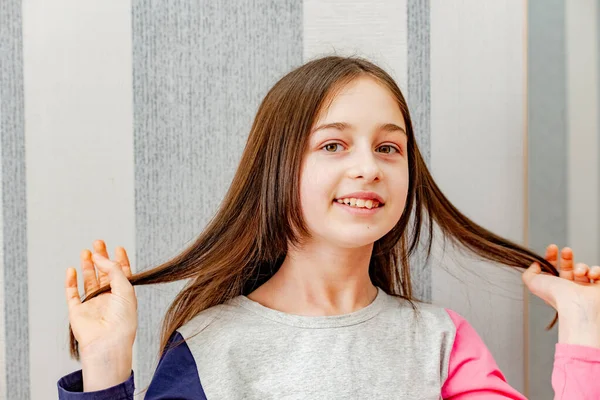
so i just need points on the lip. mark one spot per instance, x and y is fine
(364, 196)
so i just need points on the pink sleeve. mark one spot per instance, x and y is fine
(473, 373)
(576, 372)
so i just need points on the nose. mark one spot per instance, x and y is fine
(364, 165)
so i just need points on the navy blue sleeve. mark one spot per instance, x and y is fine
(70, 387)
(176, 377)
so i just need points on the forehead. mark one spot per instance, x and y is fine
(363, 100)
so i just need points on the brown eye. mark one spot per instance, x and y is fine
(331, 146)
(390, 149)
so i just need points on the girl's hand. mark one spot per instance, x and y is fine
(105, 326)
(575, 295)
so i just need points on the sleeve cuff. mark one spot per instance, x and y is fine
(577, 352)
(70, 387)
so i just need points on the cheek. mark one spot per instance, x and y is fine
(400, 188)
(313, 192)
(397, 185)
(316, 191)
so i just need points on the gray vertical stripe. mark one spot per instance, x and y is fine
(200, 71)
(419, 102)
(12, 148)
(419, 87)
(547, 171)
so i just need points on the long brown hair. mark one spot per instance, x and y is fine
(246, 241)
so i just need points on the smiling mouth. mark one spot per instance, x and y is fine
(360, 203)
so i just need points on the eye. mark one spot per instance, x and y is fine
(330, 146)
(390, 149)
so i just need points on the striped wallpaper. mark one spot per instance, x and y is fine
(125, 120)
(564, 146)
(14, 288)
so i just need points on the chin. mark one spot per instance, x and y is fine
(356, 240)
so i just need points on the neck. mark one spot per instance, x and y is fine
(320, 280)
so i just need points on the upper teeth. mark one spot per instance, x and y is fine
(353, 202)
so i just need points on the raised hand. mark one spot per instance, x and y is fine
(575, 295)
(104, 326)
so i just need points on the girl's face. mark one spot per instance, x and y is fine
(359, 145)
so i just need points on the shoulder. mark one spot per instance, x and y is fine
(422, 315)
(226, 312)
(178, 369)
(466, 337)
(217, 325)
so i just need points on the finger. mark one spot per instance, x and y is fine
(121, 258)
(116, 278)
(531, 272)
(538, 283)
(566, 264)
(100, 248)
(594, 273)
(552, 255)
(71, 290)
(90, 281)
(580, 273)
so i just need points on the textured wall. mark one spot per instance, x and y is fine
(200, 71)
(14, 311)
(79, 159)
(477, 157)
(125, 121)
(563, 143)
(547, 172)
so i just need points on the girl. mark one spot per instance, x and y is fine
(299, 288)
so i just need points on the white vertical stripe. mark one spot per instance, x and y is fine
(582, 122)
(477, 157)
(372, 29)
(79, 148)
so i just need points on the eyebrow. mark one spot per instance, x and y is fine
(388, 127)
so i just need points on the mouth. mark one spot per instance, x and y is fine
(363, 198)
(355, 203)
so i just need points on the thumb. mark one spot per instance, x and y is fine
(119, 284)
(530, 274)
(541, 285)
